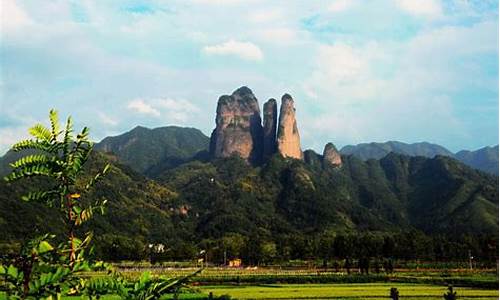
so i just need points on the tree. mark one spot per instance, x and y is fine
(58, 157)
(44, 271)
(268, 250)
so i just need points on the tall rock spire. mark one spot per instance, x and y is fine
(238, 128)
(270, 113)
(288, 133)
(331, 157)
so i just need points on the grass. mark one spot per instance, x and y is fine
(186, 296)
(344, 291)
(277, 283)
(457, 277)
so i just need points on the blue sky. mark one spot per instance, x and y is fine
(359, 71)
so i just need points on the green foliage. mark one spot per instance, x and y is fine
(151, 151)
(60, 156)
(340, 291)
(398, 206)
(147, 287)
(42, 270)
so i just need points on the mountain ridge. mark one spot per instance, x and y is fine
(484, 159)
(175, 186)
(146, 149)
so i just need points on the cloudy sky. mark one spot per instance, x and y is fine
(360, 71)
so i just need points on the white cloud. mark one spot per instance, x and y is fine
(278, 36)
(12, 17)
(140, 106)
(345, 80)
(107, 119)
(309, 92)
(222, 2)
(245, 50)
(176, 105)
(267, 15)
(340, 5)
(430, 8)
(177, 111)
(362, 91)
(173, 111)
(346, 73)
(342, 63)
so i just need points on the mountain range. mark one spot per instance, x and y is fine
(177, 186)
(484, 159)
(148, 160)
(149, 151)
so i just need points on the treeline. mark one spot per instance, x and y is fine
(326, 247)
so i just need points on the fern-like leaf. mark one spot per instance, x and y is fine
(41, 132)
(54, 123)
(30, 160)
(31, 144)
(97, 177)
(68, 136)
(83, 136)
(47, 197)
(30, 171)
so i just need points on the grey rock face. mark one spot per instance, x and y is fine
(238, 128)
(270, 122)
(331, 157)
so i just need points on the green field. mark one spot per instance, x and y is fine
(187, 296)
(344, 291)
(373, 291)
(303, 283)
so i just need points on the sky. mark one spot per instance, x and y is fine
(359, 71)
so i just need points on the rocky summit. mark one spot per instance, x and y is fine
(238, 128)
(270, 121)
(288, 133)
(331, 157)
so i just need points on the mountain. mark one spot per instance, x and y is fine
(148, 150)
(485, 159)
(378, 150)
(239, 129)
(199, 200)
(138, 210)
(165, 187)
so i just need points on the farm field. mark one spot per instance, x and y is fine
(275, 283)
(479, 278)
(187, 296)
(345, 291)
(374, 291)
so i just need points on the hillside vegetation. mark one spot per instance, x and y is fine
(284, 209)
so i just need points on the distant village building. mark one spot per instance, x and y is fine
(235, 263)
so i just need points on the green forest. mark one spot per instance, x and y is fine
(397, 207)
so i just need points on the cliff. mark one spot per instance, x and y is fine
(288, 141)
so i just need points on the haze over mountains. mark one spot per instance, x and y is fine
(251, 178)
(484, 159)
